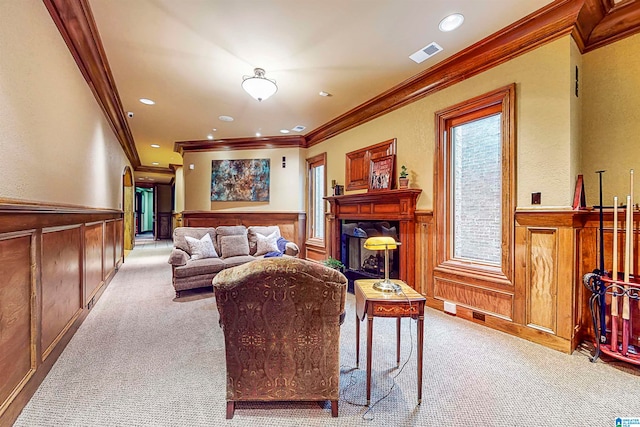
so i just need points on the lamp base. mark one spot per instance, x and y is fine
(386, 286)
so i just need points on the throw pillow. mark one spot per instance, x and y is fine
(265, 244)
(201, 249)
(234, 246)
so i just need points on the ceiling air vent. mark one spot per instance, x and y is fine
(299, 128)
(426, 52)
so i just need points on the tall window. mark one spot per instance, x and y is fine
(475, 185)
(316, 182)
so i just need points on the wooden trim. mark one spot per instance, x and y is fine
(292, 224)
(602, 22)
(79, 31)
(502, 100)
(38, 222)
(154, 169)
(293, 141)
(545, 25)
(319, 245)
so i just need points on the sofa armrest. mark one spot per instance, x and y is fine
(292, 249)
(178, 257)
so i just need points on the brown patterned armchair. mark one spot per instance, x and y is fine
(281, 319)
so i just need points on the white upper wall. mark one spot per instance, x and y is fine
(55, 144)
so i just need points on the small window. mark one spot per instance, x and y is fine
(316, 172)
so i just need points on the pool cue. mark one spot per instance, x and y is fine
(600, 271)
(614, 277)
(625, 298)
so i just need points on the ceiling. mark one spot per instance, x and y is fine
(190, 56)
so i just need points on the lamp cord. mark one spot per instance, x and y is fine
(365, 415)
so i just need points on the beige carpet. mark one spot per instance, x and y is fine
(142, 358)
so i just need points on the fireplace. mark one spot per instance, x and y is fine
(354, 217)
(362, 263)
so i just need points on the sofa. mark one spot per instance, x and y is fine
(281, 320)
(199, 253)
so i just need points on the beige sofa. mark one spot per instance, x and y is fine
(199, 253)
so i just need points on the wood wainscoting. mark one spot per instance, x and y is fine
(56, 262)
(292, 224)
(546, 303)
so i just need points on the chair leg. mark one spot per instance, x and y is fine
(334, 408)
(231, 407)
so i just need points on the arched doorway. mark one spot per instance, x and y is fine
(128, 191)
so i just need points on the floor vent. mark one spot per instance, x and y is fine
(478, 316)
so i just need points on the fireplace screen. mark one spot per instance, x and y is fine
(361, 263)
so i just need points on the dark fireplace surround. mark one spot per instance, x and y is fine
(385, 212)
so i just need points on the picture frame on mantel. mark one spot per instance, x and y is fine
(381, 173)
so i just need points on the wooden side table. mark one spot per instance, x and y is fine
(374, 303)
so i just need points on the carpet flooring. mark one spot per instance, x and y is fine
(143, 358)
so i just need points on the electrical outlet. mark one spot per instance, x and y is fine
(535, 198)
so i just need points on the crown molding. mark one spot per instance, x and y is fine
(547, 24)
(232, 144)
(602, 22)
(79, 31)
(154, 169)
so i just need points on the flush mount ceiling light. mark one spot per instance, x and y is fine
(258, 86)
(451, 22)
(147, 101)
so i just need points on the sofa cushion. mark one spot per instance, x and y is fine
(265, 244)
(231, 246)
(197, 267)
(202, 248)
(228, 230)
(179, 234)
(237, 260)
(254, 230)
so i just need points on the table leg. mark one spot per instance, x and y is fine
(398, 341)
(369, 345)
(420, 344)
(357, 342)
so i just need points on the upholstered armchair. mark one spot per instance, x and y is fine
(281, 319)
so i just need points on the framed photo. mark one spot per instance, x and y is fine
(381, 173)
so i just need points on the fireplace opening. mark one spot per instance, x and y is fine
(361, 263)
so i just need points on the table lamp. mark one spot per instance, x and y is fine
(377, 244)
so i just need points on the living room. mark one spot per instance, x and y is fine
(573, 108)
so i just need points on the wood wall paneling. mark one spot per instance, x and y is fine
(119, 239)
(478, 298)
(358, 163)
(424, 254)
(93, 261)
(52, 257)
(292, 224)
(61, 283)
(542, 279)
(109, 253)
(17, 352)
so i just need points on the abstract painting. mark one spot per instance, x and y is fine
(240, 180)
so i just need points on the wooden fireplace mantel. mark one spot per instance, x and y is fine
(383, 205)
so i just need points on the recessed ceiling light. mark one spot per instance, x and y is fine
(214, 129)
(451, 22)
(258, 134)
(226, 118)
(323, 93)
(284, 130)
(155, 163)
(155, 145)
(147, 101)
(209, 136)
